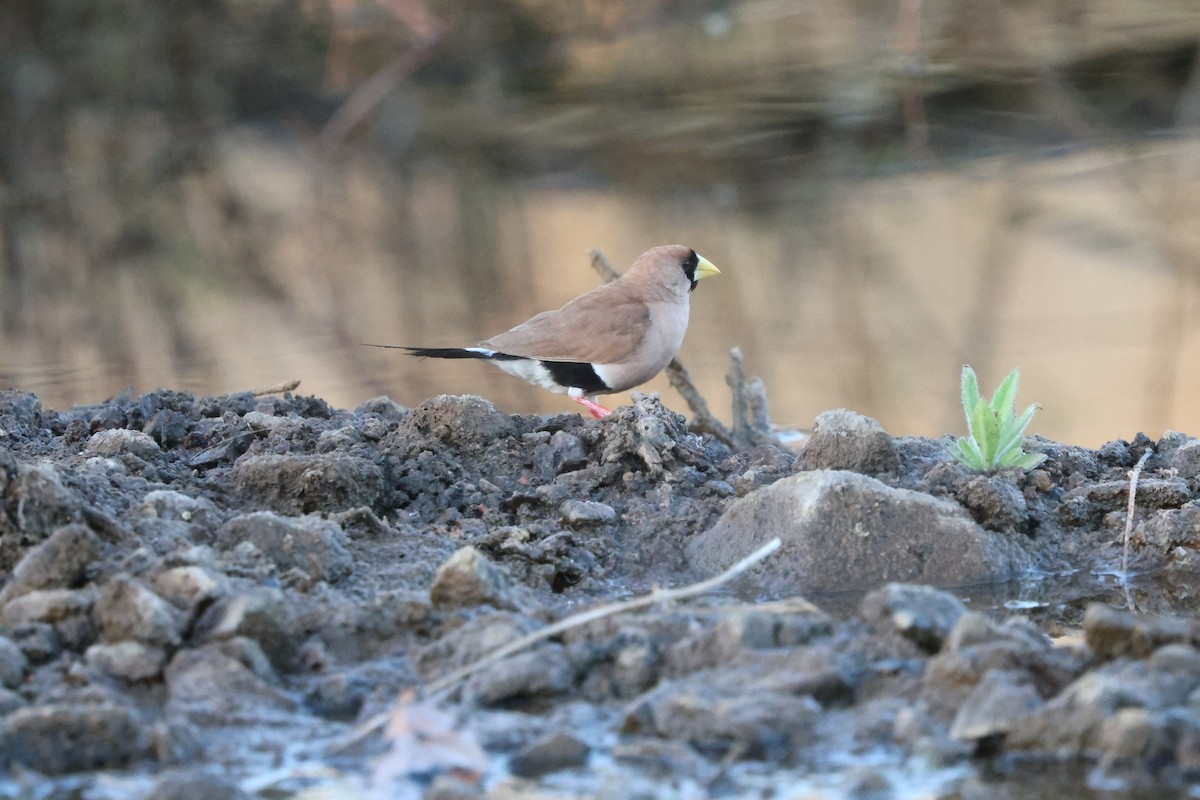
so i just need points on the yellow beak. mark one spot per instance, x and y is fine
(704, 268)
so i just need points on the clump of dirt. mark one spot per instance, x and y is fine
(240, 583)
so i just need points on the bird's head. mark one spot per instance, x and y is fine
(673, 266)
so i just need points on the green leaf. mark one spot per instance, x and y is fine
(970, 394)
(1015, 435)
(1004, 402)
(995, 435)
(967, 453)
(987, 430)
(1030, 460)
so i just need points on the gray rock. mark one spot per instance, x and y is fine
(168, 428)
(952, 674)
(1112, 633)
(994, 501)
(1132, 739)
(636, 665)
(13, 664)
(130, 661)
(844, 440)
(21, 413)
(921, 614)
(449, 786)
(119, 441)
(664, 757)
(650, 432)
(549, 753)
(263, 615)
(567, 452)
(310, 544)
(584, 513)
(188, 587)
(974, 629)
(209, 688)
(48, 606)
(469, 642)
(303, 484)
(128, 610)
(873, 533)
(195, 784)
(788, 624)
(59, 739)
(994, 704)
(384, 407)
(1185, 459)
(38, 641)
(249, 653)
(1152, 493)
(721, 721)
(60, 562)
(38, 504)
(540, 673)
(1073, 722)
(166, 504)
(10, 701)
(468, 579)
(260, 421)
(1187, 754)
(464, 421)
(337, 697)
(1174, 528)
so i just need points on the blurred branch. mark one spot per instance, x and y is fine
(912, 90)
(751, 417)
(427, 31)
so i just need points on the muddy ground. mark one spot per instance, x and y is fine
(247, 596)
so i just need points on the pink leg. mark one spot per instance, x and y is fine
(598, 411)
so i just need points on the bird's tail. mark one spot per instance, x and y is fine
(449, 352)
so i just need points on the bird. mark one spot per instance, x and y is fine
(610, 339)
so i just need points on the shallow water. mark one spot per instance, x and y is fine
(879, 318)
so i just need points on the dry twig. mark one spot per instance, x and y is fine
(575, 620)
(279, 388)
(751, 418)
(1134, 474)
(427, 30)
(450, 681)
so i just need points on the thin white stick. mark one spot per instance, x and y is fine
(584, 617)
(449, 681)
(1134, 474)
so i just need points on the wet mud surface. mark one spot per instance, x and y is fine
(247, 596)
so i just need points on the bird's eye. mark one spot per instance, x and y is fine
(689, 265)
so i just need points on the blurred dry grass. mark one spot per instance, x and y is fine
(774, 137)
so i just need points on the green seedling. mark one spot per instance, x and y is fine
(995, 433)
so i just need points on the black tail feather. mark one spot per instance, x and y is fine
(446, 352)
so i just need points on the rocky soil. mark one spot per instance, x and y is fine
(246, 596)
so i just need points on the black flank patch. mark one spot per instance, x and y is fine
(578, 374)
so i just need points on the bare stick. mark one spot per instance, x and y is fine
(278, 388)
(703, 420)
(451, 680)
(602, 265)
(575, 620)
(1134, 474)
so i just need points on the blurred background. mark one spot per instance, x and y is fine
(222, 195)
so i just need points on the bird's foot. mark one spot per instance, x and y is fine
(598, 411)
